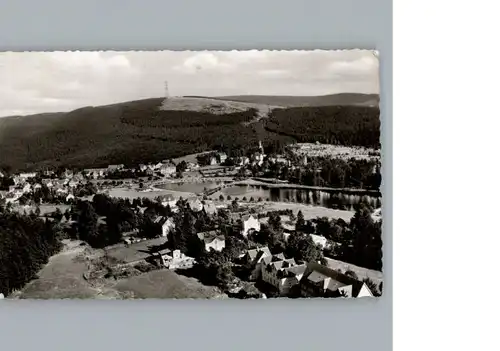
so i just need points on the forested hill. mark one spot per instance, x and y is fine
(138, 132)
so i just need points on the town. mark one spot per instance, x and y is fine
(305, 222)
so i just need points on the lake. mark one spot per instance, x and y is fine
(190, 187)
(318, 198)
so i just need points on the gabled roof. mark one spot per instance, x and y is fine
(210, 236)
(246, 217)
(331, 280)
(253, 253)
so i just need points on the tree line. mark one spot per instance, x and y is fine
(342, 125)
(26, 243)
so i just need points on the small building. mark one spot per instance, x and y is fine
(195, 205)
(114, 168)
(70, 197)
(319, 240)
(167, 225)
(212, 240)
(95, 172)
(320, 281)
(175, 259)
(27, 175)
(168, 169)
(250, 224)
(221, 157)
(209, 207)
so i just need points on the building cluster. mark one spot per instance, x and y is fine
(24, 184)
(307, 280)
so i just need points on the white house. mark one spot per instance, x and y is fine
(27, 175)
(319, 240)
(70, 197)
(167, 169)
(96, 172)
(175, 259)
(209, 207)
(222, 157)
(250, 223)
(167, 225)
(195, 205)
(212, 240)
(26, 188)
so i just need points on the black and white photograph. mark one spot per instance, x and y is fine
(190, 174)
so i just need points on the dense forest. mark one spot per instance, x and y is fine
(342, 125)
(26, 243)
(138, 132)
(129, 133)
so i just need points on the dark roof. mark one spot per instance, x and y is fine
(210, 236)
(333, 280)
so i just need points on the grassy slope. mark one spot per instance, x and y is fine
(295, 101)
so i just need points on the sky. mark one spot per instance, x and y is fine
(37, 82)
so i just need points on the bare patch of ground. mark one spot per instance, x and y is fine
(166, 284)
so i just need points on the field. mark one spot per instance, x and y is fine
(133, 252)
(165, 284)
(308, 211)
(63, 278)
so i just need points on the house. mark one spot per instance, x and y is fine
(37, 186)
(73, 183)
(68, 174)
(195, 205)
(174, 259)
(1, 174)
(320, 281)
(114, 168)
(26, 188)
(377, 215)
(167, 200)
(27, 175)
(167, 227)
(254, 258)
(221, 157)
(95, 172)
(168, 169)
(212, 240)
(61, 190)
(250, 224)
(318, 240)
(70, 197)
(209, 208)
(166, 224)
(282, 274)
(48, 183)
(212, 161)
